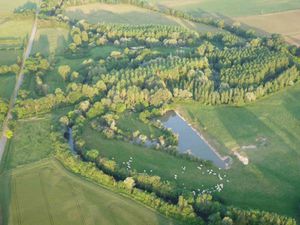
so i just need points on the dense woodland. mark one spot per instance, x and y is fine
(231, 66)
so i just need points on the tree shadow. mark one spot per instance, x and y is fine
(132, 17)
(61, 44)
(291, 101)
(42, 45)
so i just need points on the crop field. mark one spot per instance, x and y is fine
(285, 23)
(271, 126)
(231, 8)
(45, 193)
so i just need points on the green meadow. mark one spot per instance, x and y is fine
(270, 181)
(45, 193)
(7, 84)
(31, 141)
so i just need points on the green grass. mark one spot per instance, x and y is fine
(31, 140)
(231, 7)
(130, 122)
(9, 6)
(128, 14)
(119, 13)
(7, 84)
(103, 51)
(50, 40)
(45, 193)
(271, 181)
(9, 57)
(16, 26)
(161, 163)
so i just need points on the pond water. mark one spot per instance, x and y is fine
(70, 140)
(190, 141)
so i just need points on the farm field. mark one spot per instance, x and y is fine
(284, 23)
(230, 8)
(54, 195)
(127, 14)
(265, 17)
(271, 125)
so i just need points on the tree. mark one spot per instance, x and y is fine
(84, 36)
(9, 134)
(64, 120)
(129, 183)
(92, 154)
(77, 39)
(64, 71)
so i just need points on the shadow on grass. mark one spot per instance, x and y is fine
(61, 45)
(133, 17)
(41, 45)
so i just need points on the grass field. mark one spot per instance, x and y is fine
(45, 193)
(7, 84)
(50, 40)
(271, 181)
(120, 13)
(127, 14)
(9, 6)
(276, 23)
(9, 57)
(130, 122)
(31, 140)
(230, 7)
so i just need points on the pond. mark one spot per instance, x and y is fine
(191, 141)
(70, 140)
